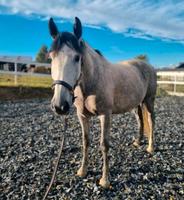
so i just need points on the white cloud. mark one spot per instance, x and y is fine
(138, 34)
(93, 26)
(163, 19)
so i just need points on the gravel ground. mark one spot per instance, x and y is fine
(30, 136)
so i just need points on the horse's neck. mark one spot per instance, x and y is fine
(92, 70)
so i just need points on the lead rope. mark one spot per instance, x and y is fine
(58, 159)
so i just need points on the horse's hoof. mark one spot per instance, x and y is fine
(150, 150)
(104, 183)
(136, 144)
(82, 172)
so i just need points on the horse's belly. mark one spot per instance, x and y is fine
(124, 108)
(125, 103)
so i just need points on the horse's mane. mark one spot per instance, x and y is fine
(69, 39)
(98, 52)
(66, 38)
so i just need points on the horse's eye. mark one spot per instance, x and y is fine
(77, 58)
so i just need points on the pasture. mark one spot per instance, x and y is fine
(30, 134)
(24, 86)
(25, 80)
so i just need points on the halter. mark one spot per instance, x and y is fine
(63, 83)
(67, 86)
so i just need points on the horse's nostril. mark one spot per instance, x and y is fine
(58, 110)
(65, 107)
(61, 110)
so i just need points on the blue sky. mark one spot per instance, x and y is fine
(120, 29)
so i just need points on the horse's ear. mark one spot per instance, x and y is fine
(77, 28)
(53, 28)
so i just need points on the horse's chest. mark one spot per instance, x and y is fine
(90, 104)
(83, 103)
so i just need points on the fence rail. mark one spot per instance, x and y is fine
(171, 81)
(8, 78)
(23, 73)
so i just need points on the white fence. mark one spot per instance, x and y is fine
(25, 79)
(23, 73)
(174, 79)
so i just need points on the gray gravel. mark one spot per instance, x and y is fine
(30, 136)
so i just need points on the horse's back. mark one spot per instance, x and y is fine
(149, 73)
(144, 70)
(134, 79)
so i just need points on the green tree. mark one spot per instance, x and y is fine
(143, 57)
(42, 55)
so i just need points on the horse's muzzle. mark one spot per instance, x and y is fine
(62, 110)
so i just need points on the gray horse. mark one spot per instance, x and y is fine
(97, 87)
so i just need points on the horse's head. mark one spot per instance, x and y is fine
(66, 52)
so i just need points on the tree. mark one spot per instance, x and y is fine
(42, 55)
(143, 57)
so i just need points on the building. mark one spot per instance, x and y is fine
(20, 63)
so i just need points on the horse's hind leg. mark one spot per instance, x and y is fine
(85, 141)
(148, 117)
(139, 118)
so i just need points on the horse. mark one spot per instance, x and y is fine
(84, 77)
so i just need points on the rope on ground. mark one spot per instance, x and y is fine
(58, 159)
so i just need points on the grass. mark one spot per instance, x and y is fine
(161, 92)
(169, 78)
(11, 80)
(170, 88)
(24, 87)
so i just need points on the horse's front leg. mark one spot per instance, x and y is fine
(104, 144)
(85, 142)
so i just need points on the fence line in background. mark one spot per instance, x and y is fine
(16, 74)
(176, 78)
(23, 73)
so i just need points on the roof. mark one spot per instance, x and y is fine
(21, 59)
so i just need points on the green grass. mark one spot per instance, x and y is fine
(170, 87)
(170, 78)
(27, 86)
(161, 92)
(10, 80)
